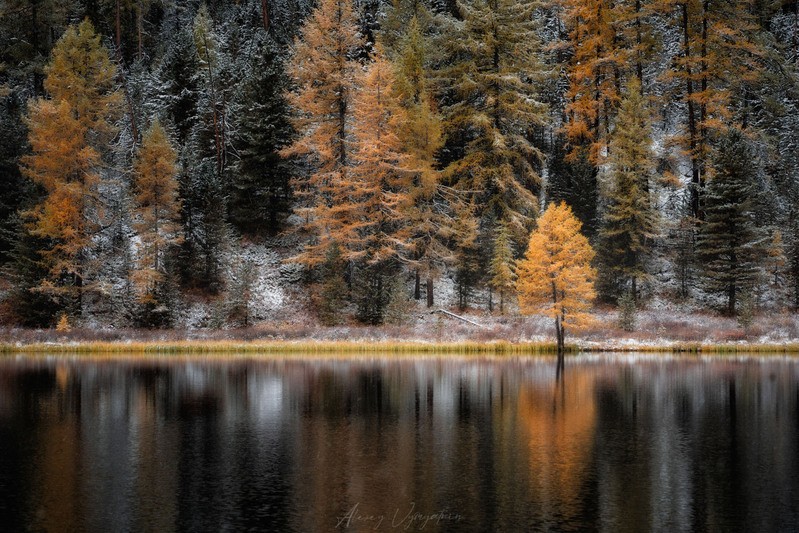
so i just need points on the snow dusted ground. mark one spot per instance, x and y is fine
(280, 309)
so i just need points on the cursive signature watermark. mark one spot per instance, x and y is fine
(404, 519)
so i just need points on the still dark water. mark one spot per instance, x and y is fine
(617, 444)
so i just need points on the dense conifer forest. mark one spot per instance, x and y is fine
(354, 160)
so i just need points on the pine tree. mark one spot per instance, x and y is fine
(501, 268)
(432, 205)
(207, 47)
(573, 179)
(259, 190)
(395, 27)
(467, 260)
(628, 223)
(491, 107)
(16, 190)
(792, 253)
(331, 295)
(775, 258)
(730, 245)
(324, 74)
(206, 232)
(556, 278)
(157, 210)
(176, 93)
(627, 309)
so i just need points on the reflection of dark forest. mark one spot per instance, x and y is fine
(294, 444)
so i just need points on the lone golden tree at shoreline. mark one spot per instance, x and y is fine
(556, 278)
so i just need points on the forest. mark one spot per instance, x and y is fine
(364, 158)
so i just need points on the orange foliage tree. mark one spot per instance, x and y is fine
(81, 72)
(556, 278)
(370, 207)
(607, 39)
(370, 210)
(64, 166)
(68, 136)
(325, 78)
(719, 62)
(157, 210)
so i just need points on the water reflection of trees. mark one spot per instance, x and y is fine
(647, 445)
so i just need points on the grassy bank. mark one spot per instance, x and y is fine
(194, 347)
(698, 348)
(318, 348)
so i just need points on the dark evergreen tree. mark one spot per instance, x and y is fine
(491, 105)
(259, 182)
(792, 257)
(175, 92)
(628, 223)
(206, 231)
(15, 190)
(25, 305)
(330, 295)
(730, 245)
(501, 266)
(574, 180)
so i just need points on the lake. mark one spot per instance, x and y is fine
(615, 443)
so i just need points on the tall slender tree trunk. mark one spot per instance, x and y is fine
(134, 129)
(429, 292)
(118, 26)
(702, 140)
(218, 116)
(139, 30)
(417, 285)
(560, 338)
(265, 14)
(692, 133)
(639, 62)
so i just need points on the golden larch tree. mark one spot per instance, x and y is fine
(594, 72)
(324, 75)
(157, 212)
(606, 40)
(81, 73)
(369, 213)
(556, 278)
(719, 62)
(65, 167)
(369, 207)
(68, 135)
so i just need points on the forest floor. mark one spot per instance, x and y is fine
(655, 330)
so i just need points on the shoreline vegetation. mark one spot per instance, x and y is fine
(311, 348)
(669, 331)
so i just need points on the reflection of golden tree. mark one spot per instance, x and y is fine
(156, 483)
(561, 434)
(57, 473)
